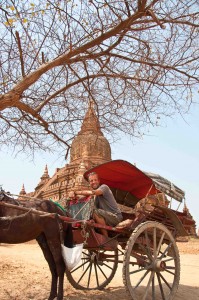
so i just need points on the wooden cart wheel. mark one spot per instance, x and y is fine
(95, 270)
(151, 267)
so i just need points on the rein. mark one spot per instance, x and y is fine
(39, 212)
(2, 193)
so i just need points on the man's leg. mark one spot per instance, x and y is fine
(100, 220)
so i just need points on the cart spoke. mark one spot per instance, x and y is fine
(169, 272)
(146, 268)
(166, 250)
(109, 267)
(90, 265)
(168, 259)
(102, 271)
(96, 274)
(89, 276)
(146, 251)
(85, 254)
(154, 243)
(160, 243)
(148, 285)
(170, 267)
(73, 270)
(141, 279)
(153, 288)
(148, 247)
(160, 286)
(165, 281)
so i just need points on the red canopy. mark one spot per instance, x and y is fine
(122, 175)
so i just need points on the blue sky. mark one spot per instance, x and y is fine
(171, 151)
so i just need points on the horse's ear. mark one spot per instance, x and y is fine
(1, 195)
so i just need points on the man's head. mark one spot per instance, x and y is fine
(94, 180)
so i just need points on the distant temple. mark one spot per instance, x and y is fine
(22, 193)
(188, 222)
(88, 149)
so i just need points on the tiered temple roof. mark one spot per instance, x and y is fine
(89, 148)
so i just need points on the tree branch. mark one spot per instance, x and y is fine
(20, 53)
(8, 100)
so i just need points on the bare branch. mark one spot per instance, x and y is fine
(20, 53)
(56, 55)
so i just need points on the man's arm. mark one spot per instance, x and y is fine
(86, 193)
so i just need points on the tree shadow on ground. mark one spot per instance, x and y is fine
(106, 294)
(184, 292)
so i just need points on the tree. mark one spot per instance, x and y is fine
(137, 60)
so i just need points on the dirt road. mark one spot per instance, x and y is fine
(24, 275)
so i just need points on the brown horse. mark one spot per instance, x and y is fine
(50, 244)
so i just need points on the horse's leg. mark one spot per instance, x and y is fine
(55, 248)
(51, 263)
(67, 235)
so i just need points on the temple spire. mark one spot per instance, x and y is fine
(90, 123)
(45, 175)
(90, 145)
(22, 193)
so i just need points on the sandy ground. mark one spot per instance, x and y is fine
(24, 275)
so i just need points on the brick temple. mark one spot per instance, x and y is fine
(88, 149)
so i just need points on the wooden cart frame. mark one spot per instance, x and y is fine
(145, 242)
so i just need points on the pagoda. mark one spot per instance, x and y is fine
(88, 149)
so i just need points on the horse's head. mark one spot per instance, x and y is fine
(5, 198)
(2, 194)
(51, 206)
(6, 211)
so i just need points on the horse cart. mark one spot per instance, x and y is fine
(143, 246)
(144, 242)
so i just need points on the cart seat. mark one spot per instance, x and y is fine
(79, 209)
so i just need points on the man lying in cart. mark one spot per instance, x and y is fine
(106, 210)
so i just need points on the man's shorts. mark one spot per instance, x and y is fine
(110, 218)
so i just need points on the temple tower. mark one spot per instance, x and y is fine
(89, 148)
(90, 145)
(22, 193)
